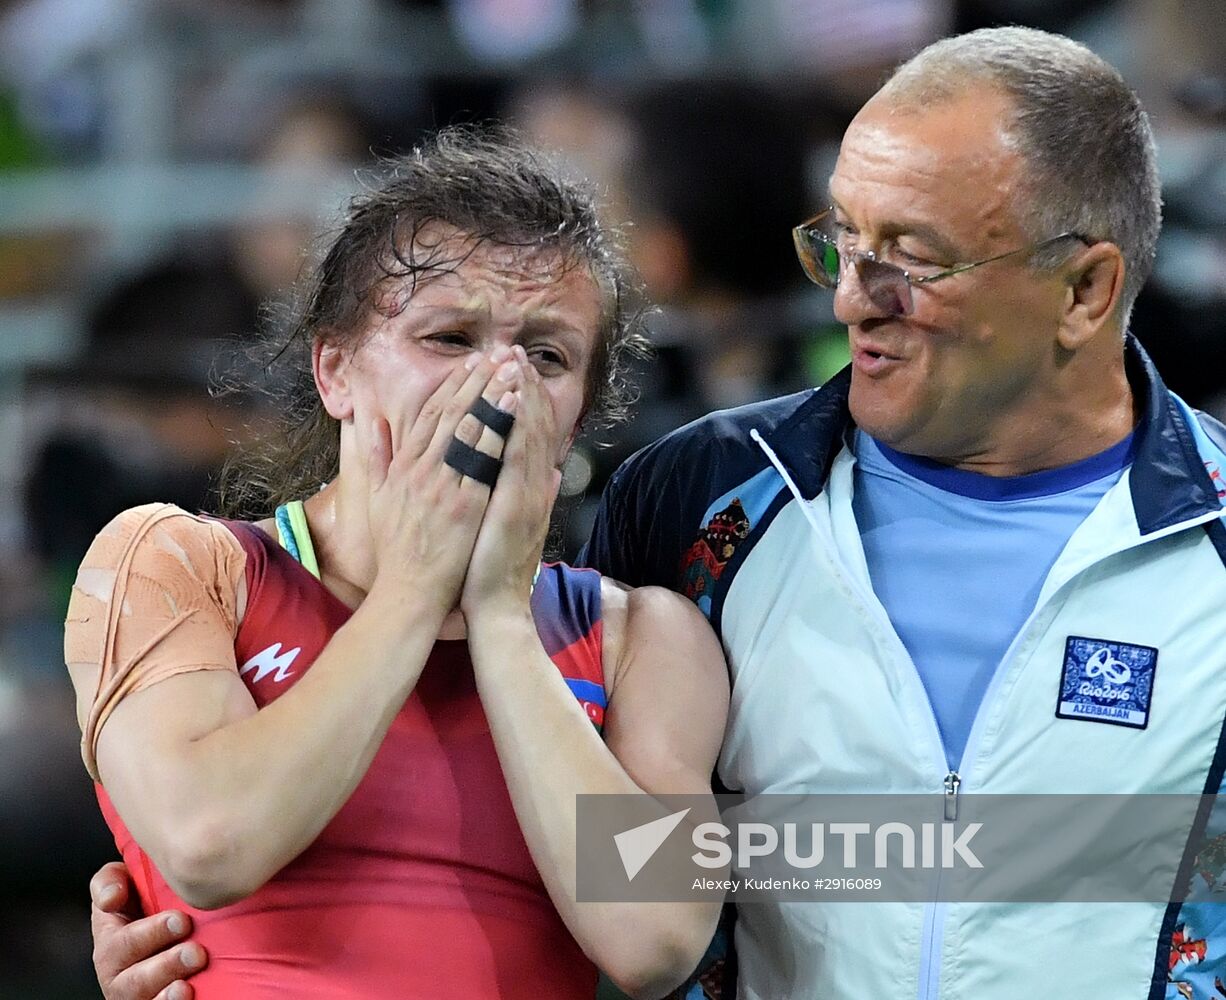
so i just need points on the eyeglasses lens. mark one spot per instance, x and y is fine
(815, 256)
(885, 285)
(829, 261)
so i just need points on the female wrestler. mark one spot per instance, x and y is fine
(347, 740)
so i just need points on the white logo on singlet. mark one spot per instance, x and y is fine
(266, 661)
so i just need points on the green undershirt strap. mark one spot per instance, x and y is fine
(295, 535)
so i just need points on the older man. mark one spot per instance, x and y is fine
(913, 568)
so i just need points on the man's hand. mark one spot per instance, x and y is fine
(134, 956)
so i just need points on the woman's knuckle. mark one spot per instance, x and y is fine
(492, 444)
(469, 430)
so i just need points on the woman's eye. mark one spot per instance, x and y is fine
(451, 338)
(546, 358)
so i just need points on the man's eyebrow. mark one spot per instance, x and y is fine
(922, 230)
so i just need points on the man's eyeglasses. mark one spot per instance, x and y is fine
(887, 286)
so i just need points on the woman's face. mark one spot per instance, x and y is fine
(498, 295)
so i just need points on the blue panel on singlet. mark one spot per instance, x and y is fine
(958, 560)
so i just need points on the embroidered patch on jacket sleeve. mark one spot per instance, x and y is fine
(1107, 681)
(704, 561)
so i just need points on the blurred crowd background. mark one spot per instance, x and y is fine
(167, 165)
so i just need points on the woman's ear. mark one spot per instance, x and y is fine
(330, 365)
(569, 443)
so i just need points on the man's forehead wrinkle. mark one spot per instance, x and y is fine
(965, 186)
(875, 153)
(975, 127)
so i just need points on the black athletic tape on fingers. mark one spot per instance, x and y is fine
(468, 461)
(499, 421)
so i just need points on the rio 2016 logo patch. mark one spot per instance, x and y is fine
(1107, 681)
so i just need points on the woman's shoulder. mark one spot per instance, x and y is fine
(164, 542)
(622, 600)
(159, 593)
(166, 517)
(659, 629)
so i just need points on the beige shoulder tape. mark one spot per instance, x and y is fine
(156, 596)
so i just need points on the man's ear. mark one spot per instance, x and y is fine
(330, 366)
(1095, 282)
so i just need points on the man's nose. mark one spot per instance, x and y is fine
(852, 303)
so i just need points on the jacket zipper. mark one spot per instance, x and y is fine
(934, 913)
(953, 782)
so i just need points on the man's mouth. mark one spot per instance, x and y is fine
(872, 359)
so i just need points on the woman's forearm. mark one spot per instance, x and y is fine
(222, 812)
(550, 753)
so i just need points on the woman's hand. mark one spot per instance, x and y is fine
(424, 515)
(512, 534)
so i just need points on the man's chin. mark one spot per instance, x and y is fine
(880, 416)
